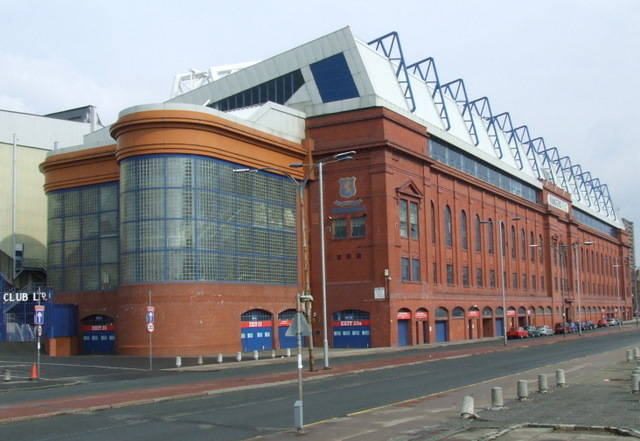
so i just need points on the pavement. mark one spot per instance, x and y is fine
(596, 405)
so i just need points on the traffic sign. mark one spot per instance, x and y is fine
(150, 328)
(39, 330)
(151, 314)
(305, 329)
(38, 318)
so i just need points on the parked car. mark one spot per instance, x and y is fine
(532, 331)
(562, 328)
(517, 333)
(545, 330)
(613, 322)
(588, 324)
(602, 323)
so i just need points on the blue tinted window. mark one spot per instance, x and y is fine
(334, 79)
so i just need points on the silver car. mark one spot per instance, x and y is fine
(545, 330)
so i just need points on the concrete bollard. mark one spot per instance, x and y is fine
(239, 356)
(635, 383)
(629, 355)
(178, 361)
(288, 352)
(523, 390)
(200, 360)
(256, 355)
(543, 386)
(273, 353)
(497, 402)
(220, 359)
(560, 381)
(636, 353)
(467, 410)
(7, 375)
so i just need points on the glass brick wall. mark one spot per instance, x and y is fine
(83, 238)
(191, 218)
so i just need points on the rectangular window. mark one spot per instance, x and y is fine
(339, 228)
(479, 278)
(514, 280)
(357, 226)
(465, 276)
(415, 270)
(449, 273)
(413, 219)
(404, 263)
(492, 278)
(534, 283)
(542, 282)
(555, 283)
(435, 273)
(524, 281)
(403, 218)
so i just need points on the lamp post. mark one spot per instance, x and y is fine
(617, 268)
(338, 157)
(300, 186)
(561, 251)
(501, 234)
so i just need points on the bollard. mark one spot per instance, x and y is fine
(635, 383)
(496, 398)
(256, 355)
(467, 410)
(560, 381)
(178, 361)
(200, 360)
(288, 352)
(636, 353)
(523, 390)
(220, 359)
(7, 375)
(273, 353)
(298, 415)
(239, 356)
(543, 387)
(629, 355)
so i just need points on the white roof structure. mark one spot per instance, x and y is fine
(338, 72)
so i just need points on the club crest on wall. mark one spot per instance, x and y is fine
(347, 187)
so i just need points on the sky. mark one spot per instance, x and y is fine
(568, 69)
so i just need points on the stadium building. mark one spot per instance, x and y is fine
(450, 219)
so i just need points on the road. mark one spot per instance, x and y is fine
(242, 414)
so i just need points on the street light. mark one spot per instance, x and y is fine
(616, 266)
(562, 253)
(501, 234)
(338, 157)
(300, 186)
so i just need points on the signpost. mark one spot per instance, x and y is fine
(38, 320)
(150, 318)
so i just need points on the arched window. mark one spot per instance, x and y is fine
(458, 312)
(448, 227)
(490, 240)
(532, 249)
(513, 242)
(487, 312)
(478, 234)
(523, 245)
(442, 313)
(433, 223)
(499, 311)
(464, 243)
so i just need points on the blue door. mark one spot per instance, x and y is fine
(351, 329)
(98, 335)
(442, 331)
(284, 321)
(499, 327)
(403, 332)
(255, 331)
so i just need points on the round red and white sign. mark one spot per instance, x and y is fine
(150, 327)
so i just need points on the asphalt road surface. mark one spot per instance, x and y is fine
(247, 413)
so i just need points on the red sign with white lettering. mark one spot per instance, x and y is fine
(260, 324)
(351, 323)
(422, 315)
(403, 315)
(511, 312)
(473, 313)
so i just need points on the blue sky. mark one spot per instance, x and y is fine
(567, 69)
